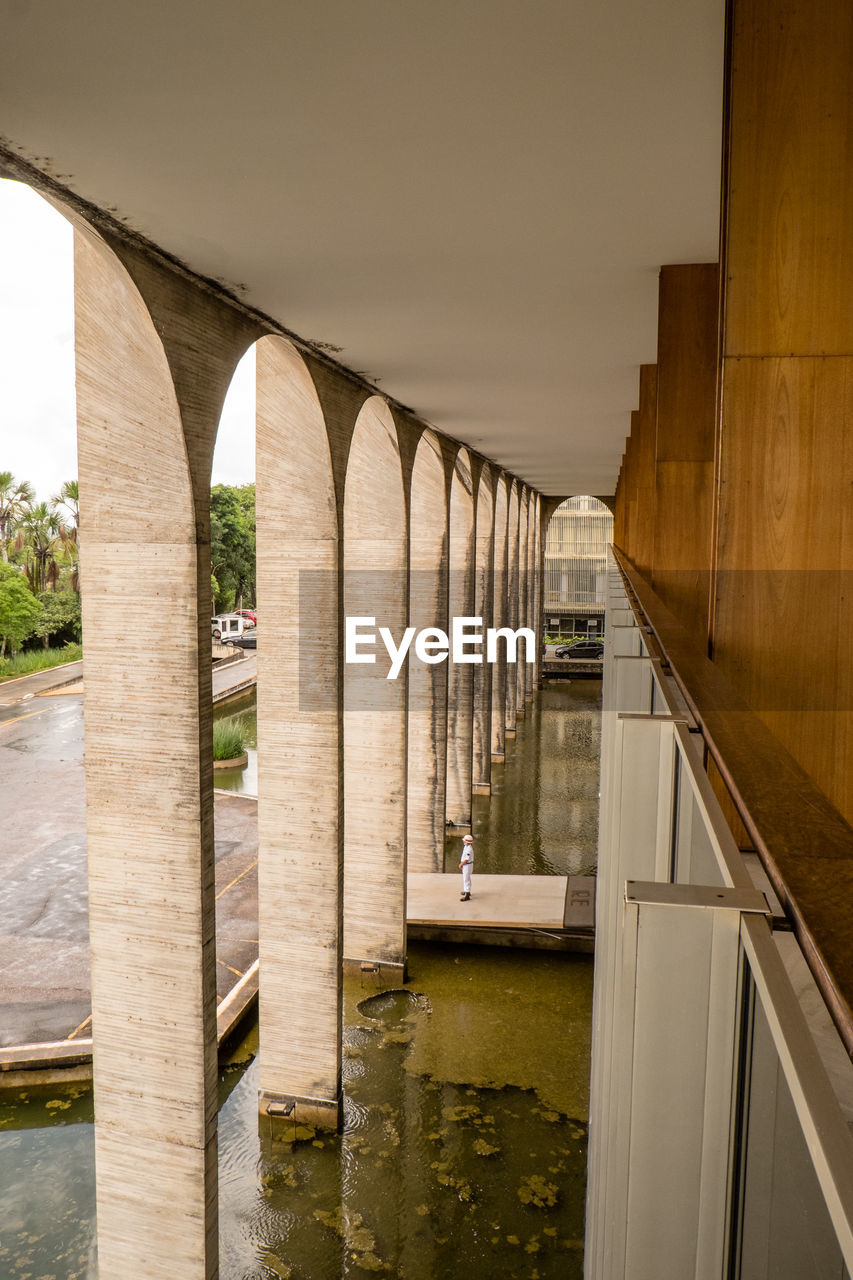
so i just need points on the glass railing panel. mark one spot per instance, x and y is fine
(694, 858)
(782, 1227)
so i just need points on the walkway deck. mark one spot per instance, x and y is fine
(234, 678)
(521, 911)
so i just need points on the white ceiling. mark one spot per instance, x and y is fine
(471, 198)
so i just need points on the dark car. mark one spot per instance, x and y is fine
(587, 649)
(249, 640)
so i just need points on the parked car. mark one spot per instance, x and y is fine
(247, 641)
(249, 615)
(227, 626)
(587, 649)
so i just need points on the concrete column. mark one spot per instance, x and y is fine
(150, 847)
(300, 835)
(375, 585)
(460, 679)
(427, 730)
(483, 607)
(531, 619)
(498, 733)
(523, 584)
(512, 612)
(538, 584)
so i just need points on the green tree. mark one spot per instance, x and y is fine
(15, 497)
(232, 544)
(19, 610)
(60, 612)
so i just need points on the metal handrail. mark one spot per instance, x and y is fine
(796, 831)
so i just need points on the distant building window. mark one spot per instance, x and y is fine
(575, 554)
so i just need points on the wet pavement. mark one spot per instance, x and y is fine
(44, 947)
(22, 688)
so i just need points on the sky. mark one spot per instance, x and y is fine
(37, 407)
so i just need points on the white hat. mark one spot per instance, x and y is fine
(467, 839)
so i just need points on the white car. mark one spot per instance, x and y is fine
(227, 626)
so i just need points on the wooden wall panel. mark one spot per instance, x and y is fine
(643, 433)
(684, 453)
(790, 190)
(783, 616)
(785, 484)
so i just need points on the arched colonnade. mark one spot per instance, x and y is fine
(361, 512)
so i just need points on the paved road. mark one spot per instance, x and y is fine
(235, 675)
(13, 692)
(44, 954)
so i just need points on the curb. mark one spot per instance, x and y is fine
(61, 1061)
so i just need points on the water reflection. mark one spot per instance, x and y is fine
(244, 709)
(542, 815)
(47, 1175)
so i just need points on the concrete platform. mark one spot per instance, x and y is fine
(235, 678)
(547, 912)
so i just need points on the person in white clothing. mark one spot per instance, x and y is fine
(466, 866)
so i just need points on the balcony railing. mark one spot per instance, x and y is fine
(721, 1083)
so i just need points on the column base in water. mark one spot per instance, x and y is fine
(286, 1112)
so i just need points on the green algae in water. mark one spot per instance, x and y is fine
(47, 1207)
(455, 1138)
(436, 1174)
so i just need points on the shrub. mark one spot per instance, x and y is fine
(229, 738)
(25, 664)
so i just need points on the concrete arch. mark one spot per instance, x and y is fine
(499, 610)
(375, 585)
(483, 607)
(427, 722)
(512, 611)
(300, 840)
(149, 813)
(460, 681)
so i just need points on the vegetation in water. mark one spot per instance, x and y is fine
(229, 739)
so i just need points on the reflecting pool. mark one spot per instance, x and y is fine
(244, 709)
(542, 815)
(463, 1151)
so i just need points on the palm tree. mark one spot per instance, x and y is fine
(69, 499)
(15, 497)
(38, 535)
